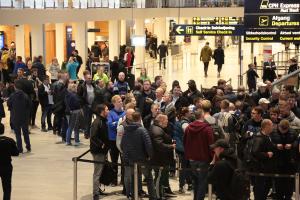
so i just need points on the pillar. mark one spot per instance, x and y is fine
(139, 51)
(20, 41)
(160, 29)
(59, 42)
(38, 40)
(114, 38)
(123, 32)
(91, 36)
(81, 42)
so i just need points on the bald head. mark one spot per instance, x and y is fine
(267, 126)
(129, 113)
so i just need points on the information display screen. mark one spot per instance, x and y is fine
(216, 20)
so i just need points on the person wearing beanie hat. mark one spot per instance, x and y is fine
(8, 148)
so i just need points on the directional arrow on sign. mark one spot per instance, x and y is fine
(179, 30)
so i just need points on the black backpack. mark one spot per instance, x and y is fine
(240, 185)
(218, 132)
(108, 174)
(245, 151)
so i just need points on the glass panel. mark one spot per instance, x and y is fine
(91, 3)
(104, 3)
(39, 4)
(49, 3)
(75, 3)
(83, 3)
(5, 3)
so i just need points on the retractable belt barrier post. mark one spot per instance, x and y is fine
(296, 176)
(136, 192)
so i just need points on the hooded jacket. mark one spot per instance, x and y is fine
(197, 138)
(206, 54)
(136, 143)
(224, 168)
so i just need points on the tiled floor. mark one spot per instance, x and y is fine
(47, 172)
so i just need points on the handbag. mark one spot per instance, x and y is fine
(108, 174)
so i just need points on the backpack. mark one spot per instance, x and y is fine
(108, 174)
(245, 151)
(240, 185)
(225, 121)
(178, 135)
(217, 130)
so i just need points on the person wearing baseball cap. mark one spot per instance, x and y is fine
(223, 165)
(264, 104)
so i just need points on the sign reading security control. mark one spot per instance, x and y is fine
(183, 29)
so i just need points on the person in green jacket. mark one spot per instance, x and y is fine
(100, 75)
(205, 56)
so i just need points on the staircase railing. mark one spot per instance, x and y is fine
(285, 78)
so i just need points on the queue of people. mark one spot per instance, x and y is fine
(213, 133)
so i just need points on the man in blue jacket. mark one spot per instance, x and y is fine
(113, 117)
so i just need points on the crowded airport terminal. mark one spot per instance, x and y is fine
(149, 99)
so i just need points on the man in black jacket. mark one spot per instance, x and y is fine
(86, 92)
(99, 145)
(4, 77)
(192, 92)
(163, 53)
(137, 148)
(163, 149)
(37, 63)
(262, 152)
(286, 144)
(46, 101)
(59, 107)
(8, 148)
(20, 102)
(146, 99)
(223, 165)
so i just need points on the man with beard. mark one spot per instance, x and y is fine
(146, 99)
(86, 91)
(121, 87)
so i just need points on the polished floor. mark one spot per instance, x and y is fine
(47, 172)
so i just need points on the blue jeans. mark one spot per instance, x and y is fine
(25, 131)
(199, 179)
(184, 175)
(46, 113)
(73, 126)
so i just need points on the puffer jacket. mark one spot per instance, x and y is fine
(294, 121)
(136, 144)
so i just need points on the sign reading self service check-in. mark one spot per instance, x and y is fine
(272, 20)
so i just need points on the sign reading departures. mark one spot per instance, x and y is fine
(272, 21)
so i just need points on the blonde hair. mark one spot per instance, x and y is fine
(72, 87)
(115, 98)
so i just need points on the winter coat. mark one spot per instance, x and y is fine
(286, 158)
(99, 143)
(294, 121)
(71, 68)
(19, 102)
(219, 56)
(261, 145)
(136, 144)
(224, 168)
(197, 138)
(41, 70)
(162, 146)
(206, 54)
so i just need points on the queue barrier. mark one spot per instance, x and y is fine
(135, 168)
